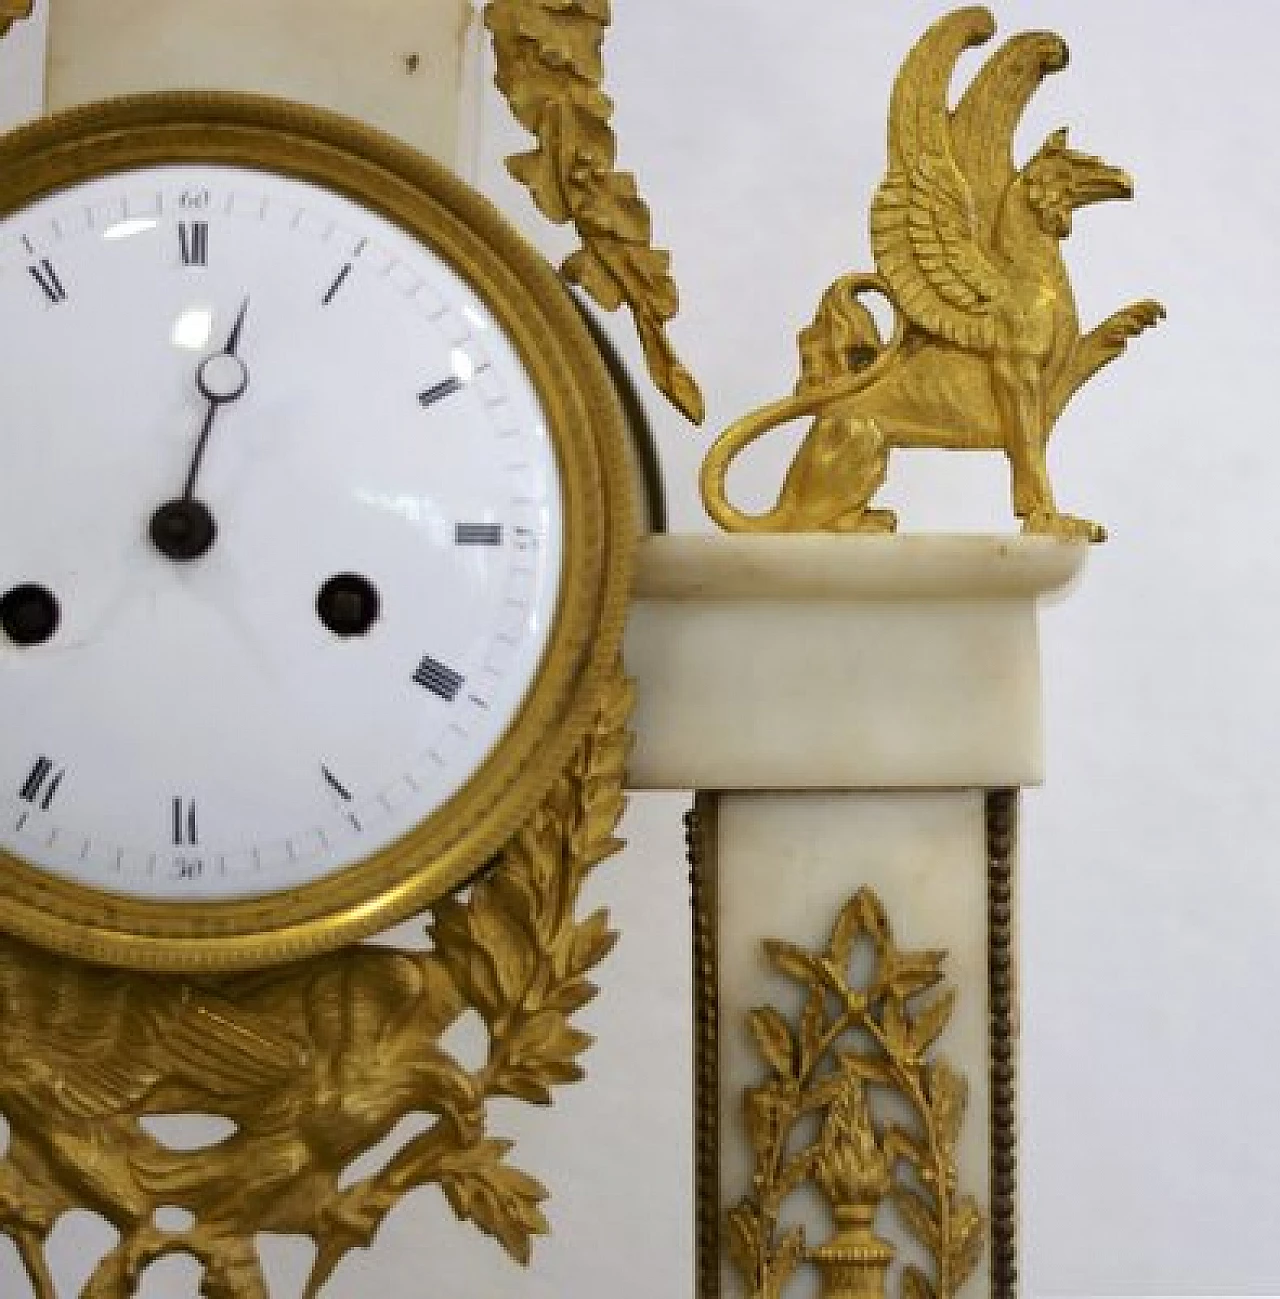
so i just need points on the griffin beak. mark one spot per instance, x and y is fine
(1103, 183)
(1053, 52)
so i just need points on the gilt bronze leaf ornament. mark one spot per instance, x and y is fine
(857, 1039)
(315, 1063)
(986, 347)
(549, 68)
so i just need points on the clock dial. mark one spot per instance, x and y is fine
(281, 532)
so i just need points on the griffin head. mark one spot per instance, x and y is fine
(1060, 179)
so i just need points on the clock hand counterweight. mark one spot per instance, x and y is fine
(184, 529)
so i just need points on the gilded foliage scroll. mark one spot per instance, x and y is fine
(861, 1037)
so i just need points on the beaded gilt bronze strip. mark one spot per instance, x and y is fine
(700, 826)
(1002, 833)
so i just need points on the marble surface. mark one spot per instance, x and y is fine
(396, 64)
(840, 662)
(787, 863)
(827, 566)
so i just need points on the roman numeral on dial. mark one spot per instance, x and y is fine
(185, 827)
(344, 796)
(337, 284)
(42, 783)
(438, 392)
(478, 534)
(439, 679)
(47, 278)
(193, 242)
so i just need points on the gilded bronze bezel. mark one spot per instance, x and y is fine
(589, 435)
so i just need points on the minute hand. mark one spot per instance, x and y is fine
(222, 378)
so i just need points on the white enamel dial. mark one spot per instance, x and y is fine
(280, 533)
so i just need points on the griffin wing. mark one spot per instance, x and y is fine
(984, 122)
(925, 229)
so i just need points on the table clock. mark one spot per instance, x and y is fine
(320, 558)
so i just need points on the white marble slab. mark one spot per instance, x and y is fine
(823, 662)
(396, 64)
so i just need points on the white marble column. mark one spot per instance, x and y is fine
(395, 64)
(857, 711)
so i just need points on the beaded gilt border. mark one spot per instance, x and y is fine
(700, 827)
(1002, 833)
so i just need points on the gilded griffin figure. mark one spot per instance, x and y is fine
(986, 348)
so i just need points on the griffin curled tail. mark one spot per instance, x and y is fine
(842, 355)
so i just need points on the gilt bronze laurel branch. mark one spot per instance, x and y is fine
(312, 1065)
(549, 68)
(855, 1039)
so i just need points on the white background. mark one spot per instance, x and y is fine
(1152, 903)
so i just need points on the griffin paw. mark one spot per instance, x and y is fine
(1065, 527)
(866, 521)
(1131, 321)
(355, 1215)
